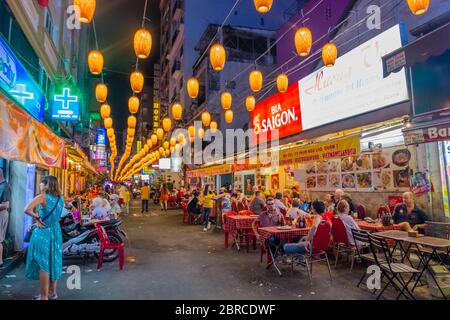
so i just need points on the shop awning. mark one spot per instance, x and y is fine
(420, 50)
(76, 154)
(22, 138)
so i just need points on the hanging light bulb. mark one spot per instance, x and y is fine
(95, 62)
(229, 116)
(213, 127)
(132, 122)
(303, 41)
(263, 6)
(217, 57)
(193, 87)
(133, 105)
(282, 83)
(101, 92)
(105, 111)
(167, 124)
(137, 82)
(250, 103)
(177, 111)
(226, 100)
(84, 10)
(418, 7)
(206, 118)
(255, 80)
(329, 54)
(142, 43)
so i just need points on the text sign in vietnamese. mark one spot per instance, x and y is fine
(279, 112)
(322, 151)
(428, 134)
(66, 106)
(17, 83)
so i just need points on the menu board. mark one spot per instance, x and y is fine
(384, 170)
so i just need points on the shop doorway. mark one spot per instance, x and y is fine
(225, 180)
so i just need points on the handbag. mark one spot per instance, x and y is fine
(29, 233)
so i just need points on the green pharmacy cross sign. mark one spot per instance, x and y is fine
(66, 106)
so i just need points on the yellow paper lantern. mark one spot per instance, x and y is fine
(133, 105)
(142, 43)
(132, 122)
(146, 148)
(110, 133)
(161, 153)
(154, 139)
(177, 111)
(101, 92)
(191, 131)
(85, 10)
(167, 152)
(181, 138)
(263, 6)
(213, 127)
(137, 82)
(161, 149)
(255, 80)
(160, 134)
(206, 118)
(108, 122)
(217, 56)
(226, 100)
(167, 124)
(250, 103)
(229, 116)
(282, 83)
(329, 54)
(95, 62)
(130, 133)
(303, 41)
(418, 7)
(173, 142)
(166, 145)
(193, 87)
(105, 111)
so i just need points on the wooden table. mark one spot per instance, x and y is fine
(235, 225)
(430, 242)
(280, 234)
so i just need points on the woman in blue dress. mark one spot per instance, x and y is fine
(44, 257)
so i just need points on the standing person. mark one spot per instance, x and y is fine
(44, 257)
(208, 197)
(5, 198)
(163, 197)
(145, 196)
(126, 200)
(122, 191)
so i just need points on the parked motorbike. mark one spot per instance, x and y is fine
(83, 242)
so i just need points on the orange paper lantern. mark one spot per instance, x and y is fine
(226, 100)
(282, 83)
(303, 41)
(108, 122)
(101, 92)
(250, 103)
(132, 122)
(105, 111)
(154, 139)
(418, 7)
(213, 127)
(229, 116)
(160, 134)
(142, 43)
(95, 62)
(177, 111)
(263, 6)
(206, 118)
(133, 105)
(167, 124)
(193, 87)
(329, 54)
(85, 10)
(137, 82)
(217, 56)
(255, 80)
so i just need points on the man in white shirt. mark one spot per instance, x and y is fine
(343, 209)
(278, 203)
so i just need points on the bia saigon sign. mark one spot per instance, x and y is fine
(18, 84)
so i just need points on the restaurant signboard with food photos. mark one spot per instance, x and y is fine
(384, 170)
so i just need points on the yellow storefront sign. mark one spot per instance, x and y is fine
(322, 151)
(214, 170)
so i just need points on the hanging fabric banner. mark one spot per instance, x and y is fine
(25, 139)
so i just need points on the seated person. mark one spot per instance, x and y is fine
(278, 202)
(305, 205)
(99, 212)
(343, 210)
(270, 217)
(408, 215)
(295, 213)
(258, 204)
(193, 206)
(115, 207)
(303, 246)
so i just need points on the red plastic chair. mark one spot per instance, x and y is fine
(318, 253)
(361, 212)
(185, 212)
(340, 239)
(283, 212)
(105, 244)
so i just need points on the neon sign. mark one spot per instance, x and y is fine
(65, 106)
(18, 84)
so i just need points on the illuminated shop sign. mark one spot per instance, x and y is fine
(18, 84)
(66, 106)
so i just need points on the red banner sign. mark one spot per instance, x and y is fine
(428, 134)
(279, 112)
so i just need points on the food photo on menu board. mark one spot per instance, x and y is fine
(385, 170)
